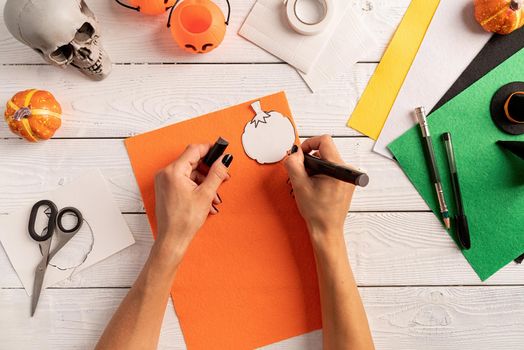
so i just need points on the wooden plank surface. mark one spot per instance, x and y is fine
(138, 98)
(420, 254)
(29, 171)
(131, 37)
(418, 290)
(438, 318)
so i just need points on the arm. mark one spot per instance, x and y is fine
(184, 199)
(324, 203)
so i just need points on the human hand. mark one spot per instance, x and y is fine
(322, 200)
(185, 196)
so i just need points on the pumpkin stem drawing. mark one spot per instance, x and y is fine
(268, 136)
(260, 116)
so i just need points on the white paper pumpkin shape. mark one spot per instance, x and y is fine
(268, 136)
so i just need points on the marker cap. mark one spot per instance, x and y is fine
(215, 152)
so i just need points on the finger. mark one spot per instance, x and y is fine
(213, 210)
(218, 173)
(197, 177)
(325, 146)
(217, 199)
(294, 164)
(189, 159)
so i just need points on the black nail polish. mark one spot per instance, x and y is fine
(215, 208)
(294, 149)
(219, 198)
(227, 160)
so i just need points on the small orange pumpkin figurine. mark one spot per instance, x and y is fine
(500, 16)
(198, 26)
(33, 114)
(149, 7)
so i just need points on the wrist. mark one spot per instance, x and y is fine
(327, 241)
(166, 257)
(320, 232)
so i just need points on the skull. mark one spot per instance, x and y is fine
(64, 32)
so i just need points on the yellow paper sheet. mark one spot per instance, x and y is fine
(373, 108)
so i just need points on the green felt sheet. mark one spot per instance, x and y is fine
(492, 179)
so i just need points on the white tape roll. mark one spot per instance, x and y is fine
(303, 27)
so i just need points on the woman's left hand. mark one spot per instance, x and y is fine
(184, 198)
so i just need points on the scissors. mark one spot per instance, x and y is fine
(64, 235)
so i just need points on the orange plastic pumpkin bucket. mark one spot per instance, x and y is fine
(149, 7)
(198, 26)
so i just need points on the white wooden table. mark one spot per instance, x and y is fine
(418, 290)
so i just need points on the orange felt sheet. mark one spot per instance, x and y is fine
(249, 276)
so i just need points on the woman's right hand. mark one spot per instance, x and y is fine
(323, 201)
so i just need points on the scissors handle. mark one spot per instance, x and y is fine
(65, 235)
(76, 213)
(51, 225)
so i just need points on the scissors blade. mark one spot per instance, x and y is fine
(37, 285)
(60, 245)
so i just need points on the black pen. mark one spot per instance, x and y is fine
(461, 221)
(432, 164)
(317, 166)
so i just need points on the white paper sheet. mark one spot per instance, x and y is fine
(268, 27)
(319, 58)
(351, 41)
(103, 233)
(453, 39)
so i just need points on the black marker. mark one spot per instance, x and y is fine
(461, 222)
(215, 152)
(317, 166)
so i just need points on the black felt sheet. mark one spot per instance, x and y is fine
(496, 51)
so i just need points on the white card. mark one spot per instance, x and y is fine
(267, 26)
(351, 41)
(452, 41)
(268, 136)
(319, 58)
(104, 232)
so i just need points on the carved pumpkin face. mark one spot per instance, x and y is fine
(500, 16)
(198, 26)
(152, 7)
(33, 114)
